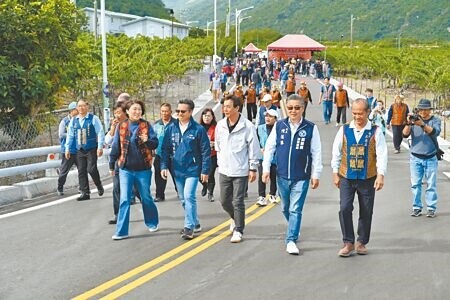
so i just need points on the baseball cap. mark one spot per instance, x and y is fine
(271, 112)
(72, 105)
(266, 97)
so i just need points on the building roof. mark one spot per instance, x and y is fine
(134, 18)
(251, 48)
(111, 13)
(296, 42)
(161, 21)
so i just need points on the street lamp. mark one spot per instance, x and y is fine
(239, 27)
(236, 19)
(351, 30)
(207, 26)
(171, 13)
(191, 22)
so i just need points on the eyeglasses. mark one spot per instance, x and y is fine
(180, 111)
(297, 107)
(207, 116)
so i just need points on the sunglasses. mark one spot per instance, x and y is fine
(297, 107)
(180, 111)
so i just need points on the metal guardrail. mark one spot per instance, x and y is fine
(27, 153)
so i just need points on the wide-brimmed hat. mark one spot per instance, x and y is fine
(424, 104)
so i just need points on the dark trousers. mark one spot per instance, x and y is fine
(304, 110)
(273, 181)
(341, 111)
(87, 164)
(159, 181)
(66, 164)
(397, 136)
(366, 195)
(245, 80)
(232, 191)
(289, 93)
(211, 184)
(251, 111)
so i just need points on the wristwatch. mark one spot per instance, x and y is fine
(422, 126)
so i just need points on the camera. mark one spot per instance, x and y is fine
(415, 116)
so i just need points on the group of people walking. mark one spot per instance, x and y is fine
(283, 152)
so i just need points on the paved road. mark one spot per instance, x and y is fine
(65, 250)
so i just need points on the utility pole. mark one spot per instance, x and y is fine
(351, 30)
(95, 21)
(105, 86)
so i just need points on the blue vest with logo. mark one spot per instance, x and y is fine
(73, 146)
(358, 158)
(294, 159)
(86, 137)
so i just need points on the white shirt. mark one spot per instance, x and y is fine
(316, 149)
(380, 147)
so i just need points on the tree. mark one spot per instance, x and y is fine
(37, 50)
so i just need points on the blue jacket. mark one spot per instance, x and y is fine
(294, 161)
(263, 134)
(190, 152)
(284, 74)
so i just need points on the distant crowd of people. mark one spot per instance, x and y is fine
(259, 145)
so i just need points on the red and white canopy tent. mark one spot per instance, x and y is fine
(250, 48)
(293, 46)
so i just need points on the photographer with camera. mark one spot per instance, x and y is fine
(423, 128)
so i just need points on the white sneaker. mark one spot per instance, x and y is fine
(262, 201)
(337, 124)
(153, 229)
(119, 237)
(273, 199)
(237, 237)
(232, 225)
(291, 248)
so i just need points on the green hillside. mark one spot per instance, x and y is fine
(151, 8)
(329, 19)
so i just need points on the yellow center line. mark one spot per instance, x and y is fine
(115, 281)
(179, 260)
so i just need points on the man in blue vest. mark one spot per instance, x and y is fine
(359, 164)
(87, 131)
(295, 142)
(66, 164)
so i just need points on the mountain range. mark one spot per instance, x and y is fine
(330, 19)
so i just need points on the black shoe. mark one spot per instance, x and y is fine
(159, 199)
(84, 197)
(101, 191)
(188, 234)
(210, 197)
(113, 221)
(246, 195)
(416, 212)
(60, 191)
(204, 191)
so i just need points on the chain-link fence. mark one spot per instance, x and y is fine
(42, 130)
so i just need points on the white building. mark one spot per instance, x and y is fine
(133, 25)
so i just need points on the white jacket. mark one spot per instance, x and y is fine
(238, 151)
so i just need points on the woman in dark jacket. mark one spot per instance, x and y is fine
(209, 122)
(132, 149)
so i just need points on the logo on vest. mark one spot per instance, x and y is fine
(302, 133)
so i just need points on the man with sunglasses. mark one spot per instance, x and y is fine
(186, 143)
(295, 143)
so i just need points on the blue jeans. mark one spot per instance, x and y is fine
(421, 168)
(187, 188)
(327, 110)
(293, 196)
(141, 179)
